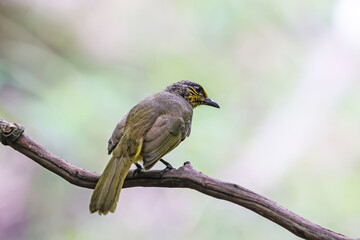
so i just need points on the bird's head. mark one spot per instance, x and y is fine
(192, 92)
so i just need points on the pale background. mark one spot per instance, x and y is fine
(285, 73)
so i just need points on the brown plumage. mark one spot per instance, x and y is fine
(151, 129)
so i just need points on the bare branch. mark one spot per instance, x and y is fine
(183, 177)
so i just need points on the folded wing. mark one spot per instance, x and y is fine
(165, 134)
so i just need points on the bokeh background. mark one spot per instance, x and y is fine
(285, 73)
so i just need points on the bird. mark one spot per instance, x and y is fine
(150, 130)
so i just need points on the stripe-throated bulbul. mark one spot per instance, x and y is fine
(151, 129)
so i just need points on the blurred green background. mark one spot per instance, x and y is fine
(285, 73)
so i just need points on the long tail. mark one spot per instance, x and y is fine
(107, 190)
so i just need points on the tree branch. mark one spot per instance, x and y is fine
(183, 177)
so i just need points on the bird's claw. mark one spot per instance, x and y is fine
(168, 167)
(138, 169)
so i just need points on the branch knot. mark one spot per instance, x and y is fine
(9, 132)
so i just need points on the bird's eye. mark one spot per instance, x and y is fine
(197, 88)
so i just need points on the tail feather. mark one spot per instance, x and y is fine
(108, 188)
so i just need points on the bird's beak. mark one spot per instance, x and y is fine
(209, 102)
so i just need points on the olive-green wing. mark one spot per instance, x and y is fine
(117, 134)
(165, 134)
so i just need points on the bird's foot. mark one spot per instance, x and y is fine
(138, 169)
(168, 167)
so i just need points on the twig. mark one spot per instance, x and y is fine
(183, 177)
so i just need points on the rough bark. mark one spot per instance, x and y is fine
(183, 177)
